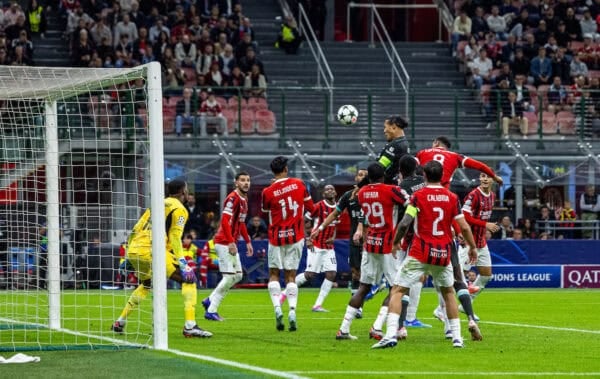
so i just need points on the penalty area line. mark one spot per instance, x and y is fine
(446, 373)
(225, 362)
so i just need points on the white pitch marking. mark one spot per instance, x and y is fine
(438, 373)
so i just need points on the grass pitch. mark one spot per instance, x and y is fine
(527, 333)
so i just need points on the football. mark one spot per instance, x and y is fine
(347, 115)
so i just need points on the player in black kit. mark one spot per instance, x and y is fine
(396, 147)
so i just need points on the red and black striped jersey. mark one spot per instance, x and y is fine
(324, 239)
(477, 209)
(286, 200)
(379, 203)
(437, 208)
(233, 220)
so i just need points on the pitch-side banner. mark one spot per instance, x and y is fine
(581, 276)
(527, 276)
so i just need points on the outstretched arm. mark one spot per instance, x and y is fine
(480, 166)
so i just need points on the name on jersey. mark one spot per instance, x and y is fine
(438, 197)
(371, 195)
(286, 189)
(377, 241)
(438, 253)
(286, 233)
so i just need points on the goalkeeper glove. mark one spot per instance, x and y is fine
(187, 272)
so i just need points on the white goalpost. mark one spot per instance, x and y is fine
(81, 157)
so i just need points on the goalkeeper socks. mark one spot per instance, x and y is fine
(481, 282)
(292, 295)
(135, 299)
(392, 325)
(275, 293)
(190, 294)
(413, 304)
(300, 279)
(217, 295)
(348, 318)
(381, 317)
(325, 288)
(405, 303)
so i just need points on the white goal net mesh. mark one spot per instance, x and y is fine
(95, 122)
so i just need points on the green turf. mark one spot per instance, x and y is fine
(527, 333)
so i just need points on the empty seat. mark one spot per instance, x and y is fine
(247, 125)
(232, 119)
(257, 103)
(566, 122)
(234, 102)
(532, 120)
(265, 121)
(549, 125)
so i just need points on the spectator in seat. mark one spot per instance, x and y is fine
(184, 110)
(249, 60)
(521, 66)
(542, 34)
(506, 229)
(461, 30)
(203, 40)
(541, 68)
(589, 203)
(13, 31)
(521, 24)
(494, 48)
(578, 67)
(561, 66)
(523, 95)
(25, 42)
(255, 84)
(497, 23)
(257, 228)
(221, 27)
(125, 27)
(4, 58)
(568, 215)
(517, 234)
(505, 74)
(148, 55)
(156, 30)
(526, 225)
(551, 20)
(561, 8)
(236, 79)
(136, 16)
(575, 91)
(211, 113)
(530, 48)
(512, 114)
(35, 18)
(215, 77)
(205, 60)
(227, 60)
(509, 51)
(471, 50)
(551, 46)
(557, 97)
(572, 25)
(83, 50)
(161, 44)
(563, 39)
(195, 29)
(544, 221)
(140, 45)
(241, 48)
(100, 30)
(481, 68)
(508, 10)
(588, 25)
(589, 53)
(12, 14)
(124, 49)
(19, 58)
(479, 27)
(185, 52)
(106, 51)
(289, 38)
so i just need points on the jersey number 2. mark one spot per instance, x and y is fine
(435, 230)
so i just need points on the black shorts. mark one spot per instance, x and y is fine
(355, 256)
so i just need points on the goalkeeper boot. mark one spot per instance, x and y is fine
(196, 331)
(118, 327)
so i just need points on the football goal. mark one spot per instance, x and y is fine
(81, 157)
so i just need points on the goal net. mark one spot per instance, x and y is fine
(80, 157)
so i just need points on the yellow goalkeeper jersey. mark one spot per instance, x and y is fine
(176, 216)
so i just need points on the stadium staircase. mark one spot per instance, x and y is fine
(52, 51)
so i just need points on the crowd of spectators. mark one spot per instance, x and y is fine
(545, 52)
(17, 26)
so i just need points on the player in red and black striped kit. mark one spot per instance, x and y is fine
(320, 256)
(433, 210)
(286, 200)
(477, 209)
(380, 204)
(450, 161)
(233, 224)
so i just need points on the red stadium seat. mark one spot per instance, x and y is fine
(486, 89)
(542, 90)
(566, 122)
(168, 118)
(190, 76)
(594, 74)
(575, 45)
(549, 123)
(265, 121)
(222, 102)
(533, 95)
(460, 49)
(232, 119)
(234, 103)
(257, 103)
(247, 126)
(532, 120)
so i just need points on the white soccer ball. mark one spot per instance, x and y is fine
(347, 115)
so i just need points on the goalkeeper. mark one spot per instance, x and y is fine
(139, 254)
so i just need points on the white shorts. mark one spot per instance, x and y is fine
(227, 262)
(412, 269)
(373, 266)
(285, 257)
(320, 260)
(483, 258)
